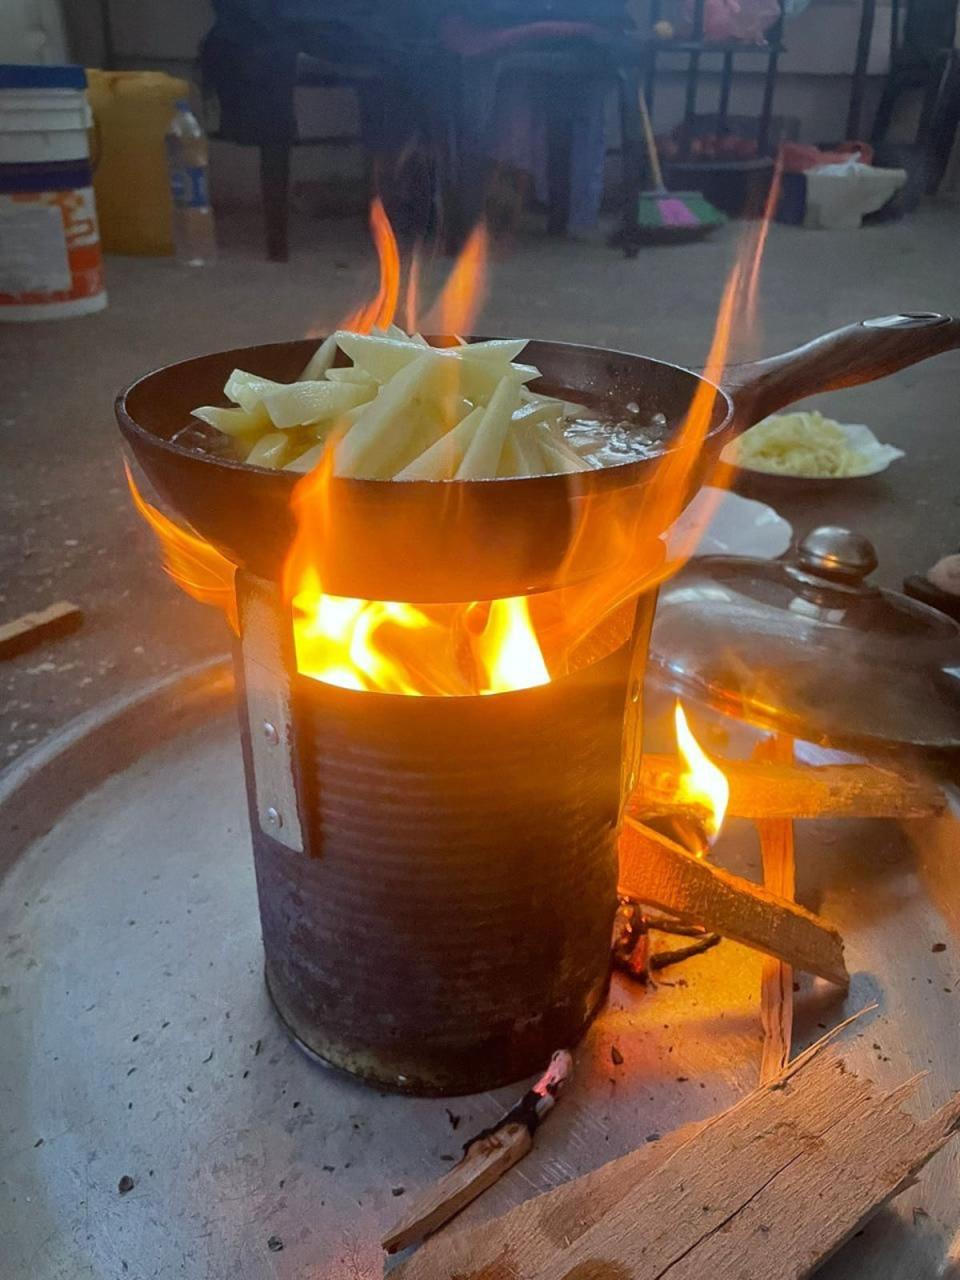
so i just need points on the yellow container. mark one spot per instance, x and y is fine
(132, 111)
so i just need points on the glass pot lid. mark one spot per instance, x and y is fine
(808, 646)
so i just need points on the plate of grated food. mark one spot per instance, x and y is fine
(805, 448)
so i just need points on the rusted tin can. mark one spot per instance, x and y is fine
(447, 923)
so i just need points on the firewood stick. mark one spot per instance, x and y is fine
(787, 790)
(541, 1229)
(485, 1162)
(780, 877)
(663, 959)
(33, 628)
(486, 1158)
(654, 870)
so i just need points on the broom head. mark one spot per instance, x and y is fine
(676, 215)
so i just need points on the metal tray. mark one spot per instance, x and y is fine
(137, 1040)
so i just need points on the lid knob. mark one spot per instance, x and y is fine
(832, 552)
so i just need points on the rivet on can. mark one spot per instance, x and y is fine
(270, 733)
(274, 817)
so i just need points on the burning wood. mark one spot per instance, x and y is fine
(742, 1194)
(661, 959)
(656, 871)
(785, 790)
(631, 945)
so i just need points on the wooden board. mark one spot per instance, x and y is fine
(33, 628)
(767, 1190)
(658, 872)
(779, 789)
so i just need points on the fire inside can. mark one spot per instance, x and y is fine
(437, 875)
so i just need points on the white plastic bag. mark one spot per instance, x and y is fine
(838, 195)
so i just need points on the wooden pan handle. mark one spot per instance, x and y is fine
(859, 353)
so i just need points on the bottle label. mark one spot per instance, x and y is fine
(189, 187)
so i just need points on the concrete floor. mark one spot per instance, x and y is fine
(67, 530)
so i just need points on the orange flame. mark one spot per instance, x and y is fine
(196, 567)
(465, 290)
(508, 649)
(701, 784)
(411, 302)
(633, 547)
(381, 309)
(494, 646)
(389, 646)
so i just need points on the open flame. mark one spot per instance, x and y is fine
(382, 307)
(489, 646)
(702, 785)
(388, 646)
(464, 292)
(197, 568)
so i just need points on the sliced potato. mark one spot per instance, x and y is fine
(527, 455)
(352, 374)
(243, 444)
(441, 460)
(381, 357)
(539, 410)
(392, 432)
(556, 450)
(234, 422)
(301, 403)
(482, 458)
(248, 389)
(321, 360)
(271, 450)
(403, 409)
(307, 460)
(502, 350)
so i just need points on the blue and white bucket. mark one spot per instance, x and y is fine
(51, 264)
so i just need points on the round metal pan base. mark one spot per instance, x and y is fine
(137, 1040)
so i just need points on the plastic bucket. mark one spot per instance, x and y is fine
(133, 110)
(51, 264)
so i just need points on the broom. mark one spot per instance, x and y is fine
(670, 216)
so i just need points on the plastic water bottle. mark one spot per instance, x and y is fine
(194, 237)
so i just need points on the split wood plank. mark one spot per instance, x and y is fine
(33, 628)
(538, 1232)
(657, 872)
(779, 789)
(768, 1190)
(780, 877)
(539, 1228)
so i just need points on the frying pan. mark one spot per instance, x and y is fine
(442, 541)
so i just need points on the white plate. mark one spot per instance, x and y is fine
(719, 523)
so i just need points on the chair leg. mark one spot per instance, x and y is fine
(275, 196)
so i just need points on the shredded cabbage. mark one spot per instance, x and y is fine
(798, 444)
